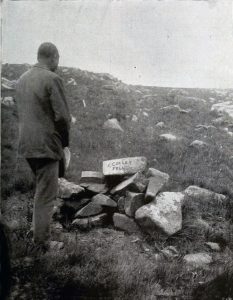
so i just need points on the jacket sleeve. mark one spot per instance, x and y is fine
(61, 110)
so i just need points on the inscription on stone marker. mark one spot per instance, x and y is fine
(123, 166)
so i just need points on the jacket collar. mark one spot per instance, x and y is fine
(40, 65)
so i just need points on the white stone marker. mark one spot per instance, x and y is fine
(124, 166)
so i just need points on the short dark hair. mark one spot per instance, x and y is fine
(47, 50)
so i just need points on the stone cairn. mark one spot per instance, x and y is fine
(128, 195)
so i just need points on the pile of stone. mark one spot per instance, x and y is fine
(128, 195)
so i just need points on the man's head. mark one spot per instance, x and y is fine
(48, 54)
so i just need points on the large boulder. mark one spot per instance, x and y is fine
(133, 202)
(162, 215)
(68, 189)
(125, 223)
(194, 192)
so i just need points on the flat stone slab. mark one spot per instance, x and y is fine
(91, 209)
(104, 200)
(124, 223)
(162, 215)
(92, 177)
(76, 205)
(86, 223)
(97, 188)
(131, 184)
(156, 182)
(133, 202)
(124, 166)
(68, 189)
(213, 246)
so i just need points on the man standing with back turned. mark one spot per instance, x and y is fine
(44, 123)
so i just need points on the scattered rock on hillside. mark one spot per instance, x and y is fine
(225, 108)
(163, 214)
(8, 84)
(195, 192)
(92, 177)
(133, 202)
(198, 144)
(198, 260)
(124, 166)
(71, 81)
(124, 223)
(170, 252)
(213, 246)
(156, 183)
(168, 137)
(91, 209)
(113, 124)
(104, 200)
(160, 125)
(187, 101)
(134, 118)
(68, 189)
(8, 101)
(96, 221)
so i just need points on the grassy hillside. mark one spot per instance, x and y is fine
(104, 263)
(93, 98)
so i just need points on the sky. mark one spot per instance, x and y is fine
(175, 43)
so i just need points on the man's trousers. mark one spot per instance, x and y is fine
(46, 174)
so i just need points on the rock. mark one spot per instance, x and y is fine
(71, 81)
(133, 202)
(170, 252)
(112, 124)
(171, 109)
(198, 144)
(195, 193)
(213, 246)
(160, 125)
(91, 209)
(76, 205)
(163, 214)
(96, 221)
(168, 137)
(8, 101)
(185, 101)
(124, 166)
(156, 173)
(97, 188)
(156, 183)
(104, 200)
(68, 189)
(92, 177)
(134, 118)
(7, 84)
(224, 108)
(124, 223)
(198, 260)
(128, 184)
(145, 114)
(121, 204)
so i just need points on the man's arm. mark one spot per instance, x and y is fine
(61, 110)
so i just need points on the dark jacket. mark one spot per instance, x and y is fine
(44, 118)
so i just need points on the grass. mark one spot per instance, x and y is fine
(104, 263)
